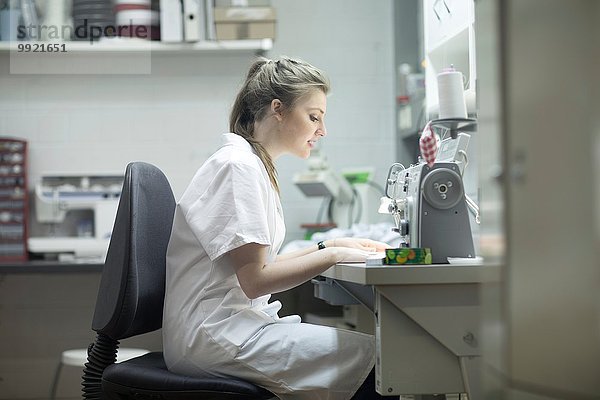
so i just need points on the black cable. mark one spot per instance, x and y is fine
(376, 186)
(330, 211)
(359, 201)
(321, 210)
(351, 207)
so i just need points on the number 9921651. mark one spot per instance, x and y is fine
(41, 48)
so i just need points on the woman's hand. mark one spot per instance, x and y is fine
(367, 245)
(348, 254)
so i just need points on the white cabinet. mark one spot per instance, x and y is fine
(449, 40)
(444, 19)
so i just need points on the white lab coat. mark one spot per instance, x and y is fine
(210, 325)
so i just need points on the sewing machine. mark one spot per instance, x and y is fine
(427, 317)
(76, 215)
(429, 205)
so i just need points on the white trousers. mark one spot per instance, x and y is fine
(295, 361)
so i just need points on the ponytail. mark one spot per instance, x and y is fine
(286, 79)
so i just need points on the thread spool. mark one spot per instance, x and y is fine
(451, 95)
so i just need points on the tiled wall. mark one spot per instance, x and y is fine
(174, 117)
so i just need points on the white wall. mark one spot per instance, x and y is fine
(174, 116)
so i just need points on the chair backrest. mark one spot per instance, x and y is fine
(132, 288)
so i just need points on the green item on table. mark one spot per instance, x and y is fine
(407, 255)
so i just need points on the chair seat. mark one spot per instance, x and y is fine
(148, 375)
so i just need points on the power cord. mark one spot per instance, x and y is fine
(473, 207)
(356, 200)
(322, 209)
(376, 186)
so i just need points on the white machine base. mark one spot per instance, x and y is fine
(79, 247)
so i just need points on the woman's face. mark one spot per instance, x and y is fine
(304, 124)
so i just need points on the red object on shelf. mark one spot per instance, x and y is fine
(14, 200)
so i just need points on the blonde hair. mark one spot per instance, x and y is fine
(285, 79)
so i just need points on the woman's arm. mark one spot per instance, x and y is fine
(351, 242)
(307, 250)
(258, 278)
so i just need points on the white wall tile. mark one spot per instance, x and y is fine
(174, 117)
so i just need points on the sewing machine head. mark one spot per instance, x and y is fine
(428, 203)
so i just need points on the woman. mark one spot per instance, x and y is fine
(222, 262)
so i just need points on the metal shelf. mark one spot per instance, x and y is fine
(120, 45)
(455, 125)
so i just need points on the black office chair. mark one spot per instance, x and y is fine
(130, 302)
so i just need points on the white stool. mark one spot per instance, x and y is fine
(78, 358)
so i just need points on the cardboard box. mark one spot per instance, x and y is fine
(401, 256)
(235, 23)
